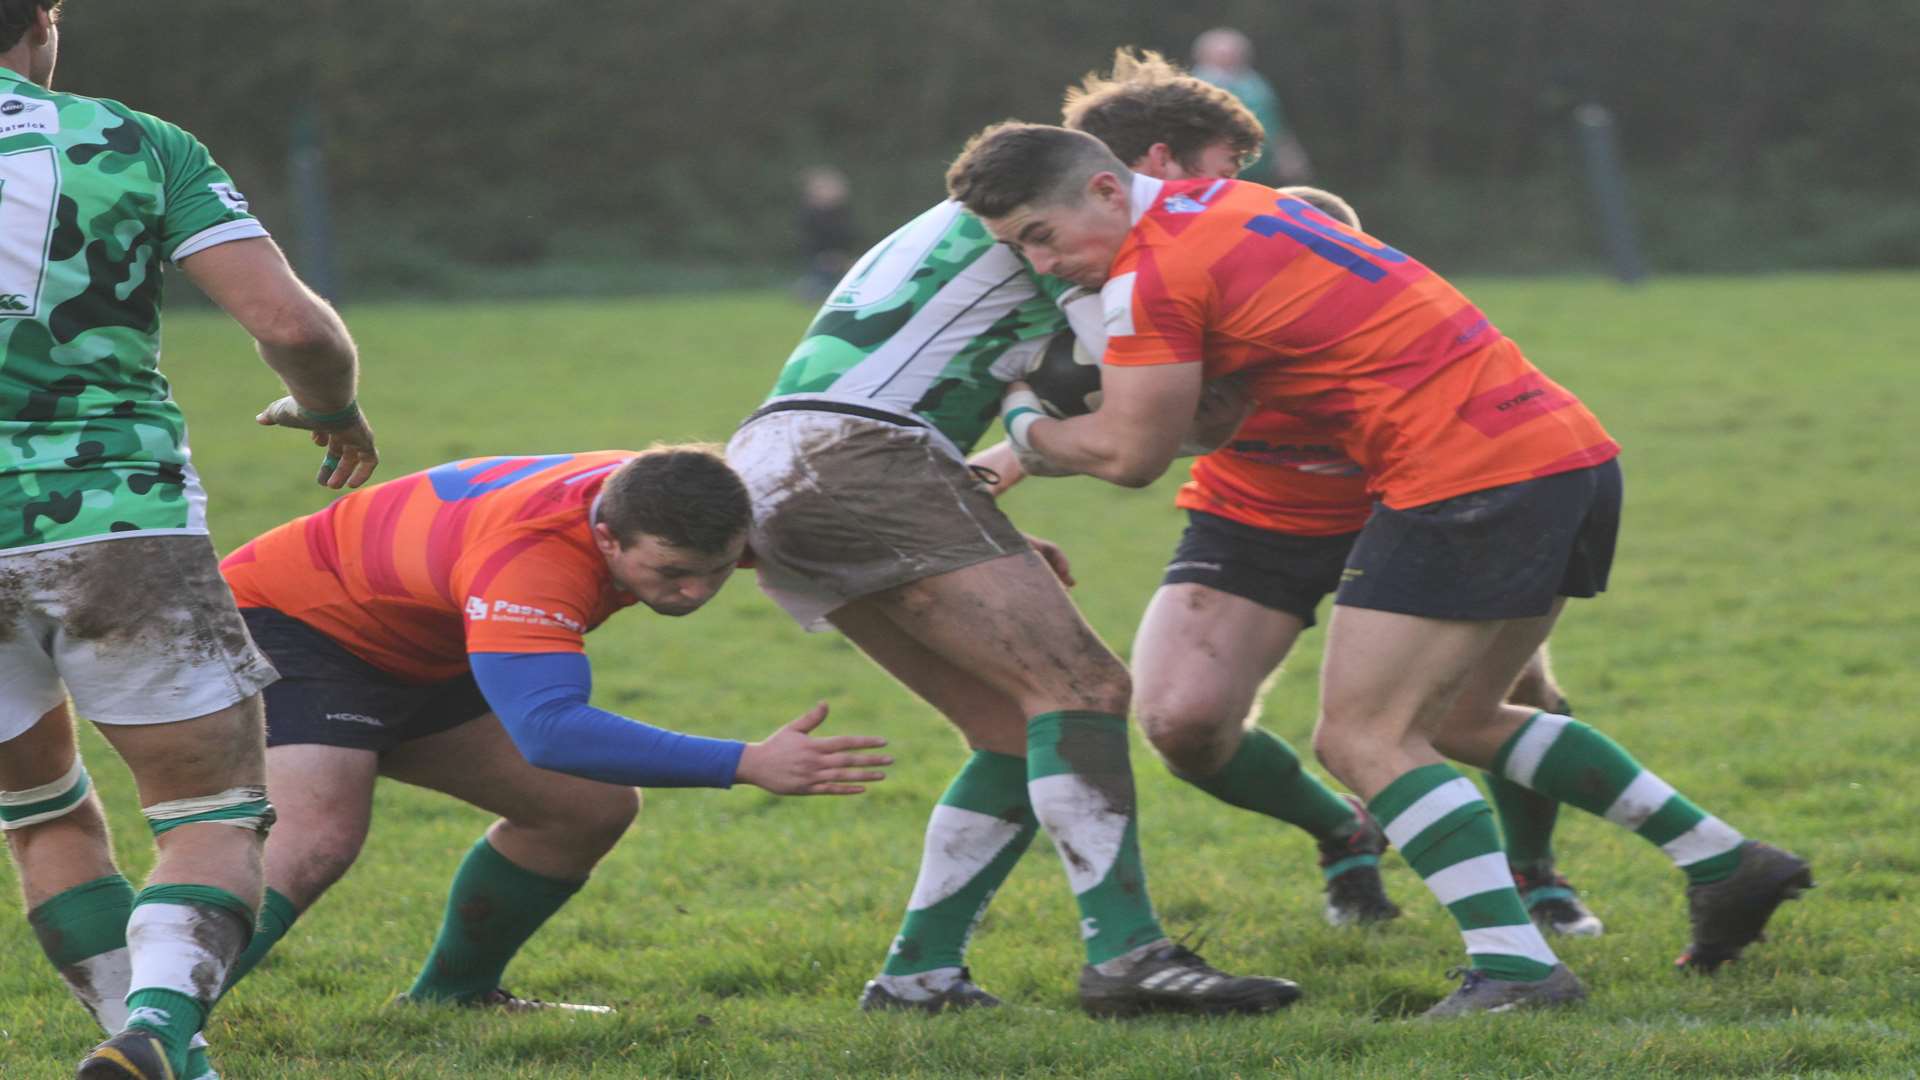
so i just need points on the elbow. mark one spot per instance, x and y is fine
(1136, 472)
(539, 752)
(541, 756)
(306, 328)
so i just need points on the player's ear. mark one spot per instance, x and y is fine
(1157, 161)
(1107, 187)
(604, 539)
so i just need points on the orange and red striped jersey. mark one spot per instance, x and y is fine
(1336, 328)
(483, 555)
(1283, 473)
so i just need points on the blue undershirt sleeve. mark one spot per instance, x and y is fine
(541, 699)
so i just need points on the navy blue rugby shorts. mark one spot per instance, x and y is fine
(330, 697)
(1503, 553)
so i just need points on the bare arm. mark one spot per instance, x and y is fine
(1000, 460)
(302, 340)
(1144, 414)
(300, 337)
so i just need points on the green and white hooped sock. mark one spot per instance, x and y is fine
(182, 939)
(83, 932)
(1264, 776)
(1526, 822)
(975, 837)
(1081, 785)
(1445, 831)
(1564, 759)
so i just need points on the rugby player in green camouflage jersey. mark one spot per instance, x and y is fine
(109, 588)
(868, 519)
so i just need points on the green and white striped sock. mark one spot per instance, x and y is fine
(1082, 790)
(1564, 759)
(181, 939)
(1445, 831)
(975, 837)
(83, 931)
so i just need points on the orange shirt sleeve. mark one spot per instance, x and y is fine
(1156, 309)
(528, 594)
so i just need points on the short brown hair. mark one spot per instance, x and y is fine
(16, 16)
(686, 495)
(1326, 202)
(1014, 164)
(1147, 100)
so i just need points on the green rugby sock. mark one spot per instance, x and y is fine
(1526, 820)
(83, 932)
(1444, 830)
(1082, 790)
(1564, 759)
(173, 1016)
(277, 915)
(1264, 776)
(181, 938)
(976, 835)
(494, 907)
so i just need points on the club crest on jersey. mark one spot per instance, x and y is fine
(18, 114)
(227, 194)
(1182, 204)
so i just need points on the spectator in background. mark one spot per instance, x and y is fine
(1224, 57)
(825, 226)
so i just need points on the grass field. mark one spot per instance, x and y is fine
(1758, 650)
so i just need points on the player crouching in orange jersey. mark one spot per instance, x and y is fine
(1497, 495)
(429, 630)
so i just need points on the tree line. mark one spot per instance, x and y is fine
(489, 133)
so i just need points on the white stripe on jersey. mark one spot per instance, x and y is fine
(899, 373)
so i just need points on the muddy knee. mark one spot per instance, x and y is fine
(308, 864)
(1195, 735)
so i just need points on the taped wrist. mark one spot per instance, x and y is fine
(1019, 410)
(19, 809)
(241, 807)
(339, 418)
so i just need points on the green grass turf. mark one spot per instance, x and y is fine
(1758, 651)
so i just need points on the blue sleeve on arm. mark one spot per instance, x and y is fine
(541, 699)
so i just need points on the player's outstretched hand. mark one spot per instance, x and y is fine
(1056, 559)
(793, 762)
(350, 455)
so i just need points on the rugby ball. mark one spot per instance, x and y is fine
(1066, 378)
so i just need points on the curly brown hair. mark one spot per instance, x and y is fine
(1146, 99)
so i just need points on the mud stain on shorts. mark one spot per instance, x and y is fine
(862, 504)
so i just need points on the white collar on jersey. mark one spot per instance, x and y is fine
(1146, 192)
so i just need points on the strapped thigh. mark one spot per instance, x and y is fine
(241, 807)
(19, 809)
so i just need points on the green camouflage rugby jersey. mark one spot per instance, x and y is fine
(93, 196)
(934, 321)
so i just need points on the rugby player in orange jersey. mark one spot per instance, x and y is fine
(429, 630)
(1497, 495)
(1271, 517)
